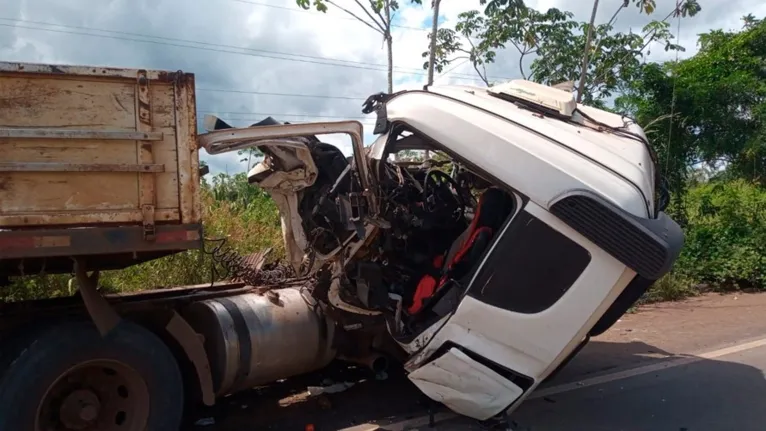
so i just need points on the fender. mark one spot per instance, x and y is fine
(192, 344)
(106, 318)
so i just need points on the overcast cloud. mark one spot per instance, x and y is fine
(270, 27)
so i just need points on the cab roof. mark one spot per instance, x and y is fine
(608, 140)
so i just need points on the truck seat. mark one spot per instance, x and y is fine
(493, 208)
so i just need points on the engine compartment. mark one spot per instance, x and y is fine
(426, 219)
(390, 245)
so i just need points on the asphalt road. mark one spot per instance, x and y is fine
(696, 366)
(690, 393)
(727, 392)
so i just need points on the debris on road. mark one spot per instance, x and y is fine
(205, 422)
(331, 389)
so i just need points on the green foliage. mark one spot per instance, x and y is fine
(376, 6)
(671, 287)
(725, 235)
(717, 99)
(527, 30)
(557, 42)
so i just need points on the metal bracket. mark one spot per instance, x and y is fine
(148, 222)
(146, 190)
(102, 314)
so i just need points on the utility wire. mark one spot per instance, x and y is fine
(297, 9)
(215, 47)
(673, 99)
(263, 93)
(264, 114)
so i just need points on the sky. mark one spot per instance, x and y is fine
(255, 58)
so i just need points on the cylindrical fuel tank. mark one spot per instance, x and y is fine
(252, 339)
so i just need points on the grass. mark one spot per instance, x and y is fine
(246, 228)
(671, 287)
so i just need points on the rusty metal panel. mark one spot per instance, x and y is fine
(97, 240)
(188, 150)
(79, 134)
(87, 145)
(85, 71)
(32, 251)
(147, 194)
(80, 167)
(63, 218)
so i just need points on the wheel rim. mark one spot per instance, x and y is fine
(103, 395)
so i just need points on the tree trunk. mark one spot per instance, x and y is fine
(432, 54)
(389, 48)
(588, 40)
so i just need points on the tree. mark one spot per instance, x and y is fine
(378, 17)
(525, 29)
(432, 47)
(249, 155)
(749, 21)
(708, 110)
(557, 42)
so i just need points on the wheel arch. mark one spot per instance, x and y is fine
(186, 345)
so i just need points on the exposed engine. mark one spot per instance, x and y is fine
(422, 211)
(360, 265)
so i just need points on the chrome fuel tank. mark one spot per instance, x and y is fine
(252, 339)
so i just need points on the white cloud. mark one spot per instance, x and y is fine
(280, 28)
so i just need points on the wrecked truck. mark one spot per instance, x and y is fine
(536, 224)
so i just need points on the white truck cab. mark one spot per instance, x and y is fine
(536, 225)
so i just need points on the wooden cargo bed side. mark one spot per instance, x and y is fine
(97, 147)
(84, 100)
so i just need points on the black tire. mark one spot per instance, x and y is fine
(37, 360)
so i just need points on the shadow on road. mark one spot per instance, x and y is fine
(722, 394)
(599, 356)
(703, 395)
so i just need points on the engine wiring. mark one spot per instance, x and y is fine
(235, 266)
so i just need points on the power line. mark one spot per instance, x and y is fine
(215, 47)
(322, 14)
(172, 39)
(263, 93)
(264, 114)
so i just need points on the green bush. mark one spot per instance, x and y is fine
(725, 228)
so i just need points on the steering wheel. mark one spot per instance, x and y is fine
(438, 195)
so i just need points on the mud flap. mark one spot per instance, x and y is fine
(465, 386)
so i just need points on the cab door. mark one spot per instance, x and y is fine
(540, 290)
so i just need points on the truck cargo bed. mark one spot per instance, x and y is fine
(96, 162)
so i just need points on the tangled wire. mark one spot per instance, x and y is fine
(244, 269)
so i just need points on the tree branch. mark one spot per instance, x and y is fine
(521, 66)
(386, 24)
(472, 53)
(358, 19)
(478, 72)
(379, 24)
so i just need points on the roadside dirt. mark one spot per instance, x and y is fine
(654, 333)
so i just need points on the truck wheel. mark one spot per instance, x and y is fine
(67, 377)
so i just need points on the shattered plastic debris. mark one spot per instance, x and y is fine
(331, 389)
(205, 422)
